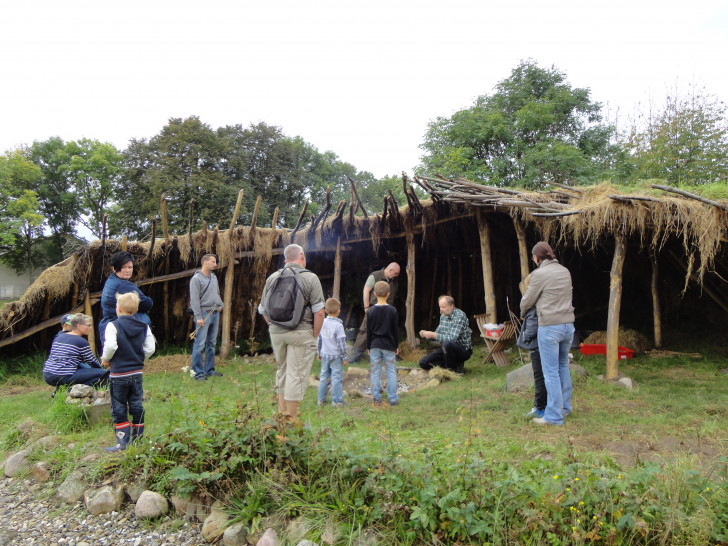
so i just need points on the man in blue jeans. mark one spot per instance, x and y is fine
(206, 306)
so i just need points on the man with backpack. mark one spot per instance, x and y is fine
(293, 306)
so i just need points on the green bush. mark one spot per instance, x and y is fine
(265, 469)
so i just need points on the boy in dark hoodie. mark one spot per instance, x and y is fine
(127, 342)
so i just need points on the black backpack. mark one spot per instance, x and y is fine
(284, 303)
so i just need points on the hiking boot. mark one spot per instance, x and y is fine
(321, 403)
(338, 404)
(200, 378)
(214, 373)
(542, 421)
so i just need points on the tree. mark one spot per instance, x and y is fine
(94, 169)
(685, 142)
(535, 128)
(20, 223)
(185, 162)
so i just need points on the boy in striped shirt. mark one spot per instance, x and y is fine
(127, 342)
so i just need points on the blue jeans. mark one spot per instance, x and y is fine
(554, 343)
(332, 371)
(205, 340)
(376, 356)
(126, 398)
(82, 376)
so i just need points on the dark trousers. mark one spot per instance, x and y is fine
(360, 345)
(126, 398)
(540, 398)
(451, 356)
(95, 377)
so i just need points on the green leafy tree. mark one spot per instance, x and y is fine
(20, 223)
(94, 169)
(685, 142)
(184, 161)
(535, 128)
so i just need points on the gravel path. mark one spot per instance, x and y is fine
(27, 518)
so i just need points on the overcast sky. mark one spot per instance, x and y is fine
(362, 79)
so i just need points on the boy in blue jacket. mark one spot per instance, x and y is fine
(127, 343)
(528, 339)
(332, 352)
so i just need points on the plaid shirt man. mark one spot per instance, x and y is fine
(455, 327)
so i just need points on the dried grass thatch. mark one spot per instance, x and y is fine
(629, 339)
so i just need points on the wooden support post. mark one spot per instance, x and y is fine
(523, 256)
(229, 276)
(656, 314)
(409, 323)
(124, 244)
(92, 331)
(487, 263)
(337, 270)
(163, 211)
(615, 303)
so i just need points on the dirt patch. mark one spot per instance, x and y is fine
(168, 363)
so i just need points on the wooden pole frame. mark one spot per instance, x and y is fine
(409, 323)
(337, 270)
(229, 275)
(487, 263)
(656, 311)
(615, 303)
(523, 257)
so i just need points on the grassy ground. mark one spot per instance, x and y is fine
(677, 417)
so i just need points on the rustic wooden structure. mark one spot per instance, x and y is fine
(468, 240)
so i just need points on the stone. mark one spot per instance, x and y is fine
(27, 427)
(627, 382)
(41, 473)
(72, 487)
(91, 457)
(150, 505)
(16, 463)
(7, 537)
(81, 391)
(313, 382)
(577, 371)
(134, 490)
(269, 538)
(306, 543)
(47, 442)
(235, 535)
(330, 535)
(214, 525)
(297, 529)
(519, 379)
(355, 370)
(104, 499)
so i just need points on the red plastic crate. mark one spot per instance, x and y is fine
(601, 349)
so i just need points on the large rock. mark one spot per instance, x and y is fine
(306, 543)
(81, 391)
(269, 538)
(72, 487)
(191, 508)
(627, 382)
(47, 442)
(297, 529)
(135, 490)
(235, 535)
(104, 499)
(17, 463)
(519, 379)
(214, 524)
(41, 473)
(150, 505)
(355, 370)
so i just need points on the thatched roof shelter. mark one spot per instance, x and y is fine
(659, 252)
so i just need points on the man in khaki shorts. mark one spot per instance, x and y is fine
(295, 347)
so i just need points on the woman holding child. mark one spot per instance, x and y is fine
(118, 283)
(550, 291)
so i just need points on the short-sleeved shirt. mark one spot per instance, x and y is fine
(313, 296)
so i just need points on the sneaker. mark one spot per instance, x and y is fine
(395, 403)
(542, 421)
(214, 373)
(376, 402)
(566, 413)
(200, 378)
(321, 403)
(338, 404)
(534, 413)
